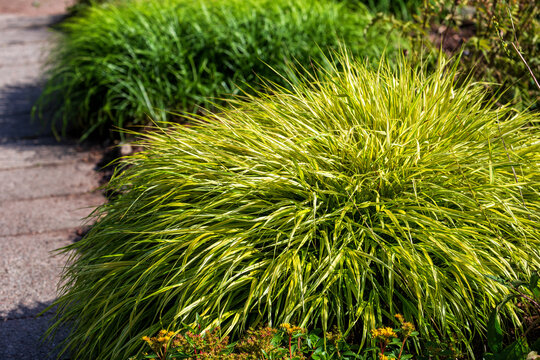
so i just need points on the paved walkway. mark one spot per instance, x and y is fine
(46, 188)
(34, 7)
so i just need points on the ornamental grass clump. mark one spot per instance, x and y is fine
(125, 61)
(350, 198)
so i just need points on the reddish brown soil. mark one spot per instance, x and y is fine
(34, 7)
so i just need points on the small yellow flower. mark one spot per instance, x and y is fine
(400, 318)
(291, 329)
(407, 328)
(149, 341)
(384, 332)
(383, 357)
(335, 335)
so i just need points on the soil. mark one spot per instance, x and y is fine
(34, 7)
(451, 39)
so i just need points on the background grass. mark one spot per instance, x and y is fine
(339, 203)
(122, 63)
(403, 9)
(82, 5)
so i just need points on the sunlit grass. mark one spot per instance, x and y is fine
(341, 202)
(125, 61)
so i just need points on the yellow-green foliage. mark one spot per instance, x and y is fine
(340, 203)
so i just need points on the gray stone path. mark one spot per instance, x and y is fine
(46, 189)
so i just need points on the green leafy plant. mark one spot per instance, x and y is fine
(391, 345)
(81, 5)
(349, 198)
(529, 293)
(287, 342)
(263, 343)
(493, 37)
(124, 62)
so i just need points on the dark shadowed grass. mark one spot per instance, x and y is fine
(403, 9)
(341, 202)
(125, 61)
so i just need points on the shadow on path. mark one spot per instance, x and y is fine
(23, 335)
(16, 103)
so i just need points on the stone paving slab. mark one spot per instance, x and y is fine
(13, 21)
(26, 260)
(18, 100)
(25, 40)
(21, 35)
(34, 7)
(24, 43)
(21, 339)
(19, 127)
(46, 214)
(18, 29)
(18, 74)
(41, 152)
(24, 53)
(54, 180)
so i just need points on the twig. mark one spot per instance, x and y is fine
(515, 45)
(525, 296)
(527, 65)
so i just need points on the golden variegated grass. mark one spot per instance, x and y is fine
(346, 200)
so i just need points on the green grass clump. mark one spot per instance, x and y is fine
(341, 202)
(122, 62)
(403, 9)
(81, 5)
